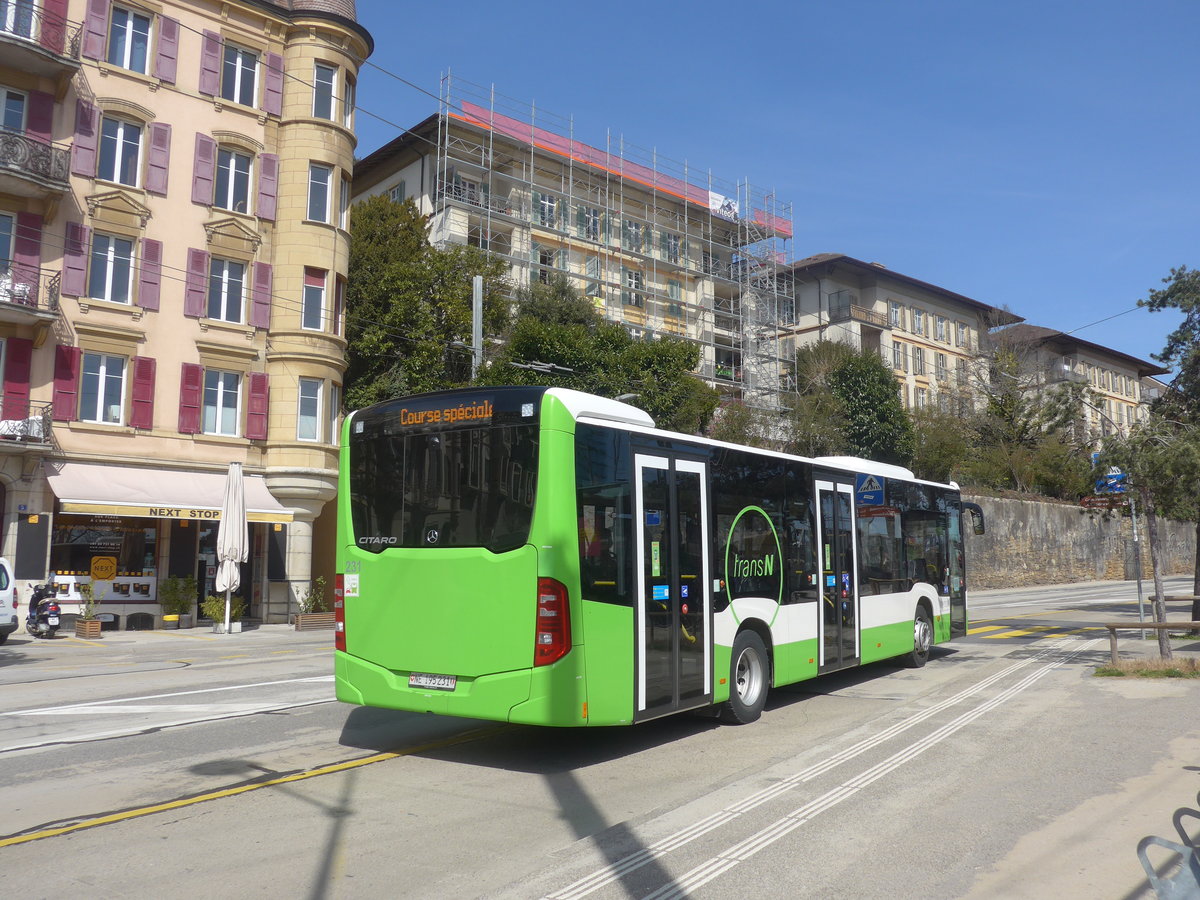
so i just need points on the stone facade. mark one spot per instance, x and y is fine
(1030, 542)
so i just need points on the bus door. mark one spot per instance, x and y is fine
(673, 616)
(839, 574)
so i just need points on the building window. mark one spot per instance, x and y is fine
(960, 366)
(344, 205)
(7, 226)
(129, 39)
(670, 247)
(226, 289)
(918, 317)
(898, 356)
(222, 402)
(120, 151)
(634, 285)
(233, 181)
(335, 411)
(589, 223)
(324, 78)
(547, 210)
(13, 110)
(592, 267)
(941, 328)
(545, 257)
(398, 193)
(348, 103)
(633, 234)
(111, 272)
(922, 397)
(964, 336)
(239, 75)
(895, 314)
(320, 178)
(308, 416)
(17, 17)
(312, 316)
(675, 295)
(102, 390)
(918, 359)
(942, 370)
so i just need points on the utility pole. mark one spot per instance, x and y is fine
(476, 325)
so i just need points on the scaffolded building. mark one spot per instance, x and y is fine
(660, 246)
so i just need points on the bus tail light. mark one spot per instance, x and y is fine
(552, 638)
(339, 612)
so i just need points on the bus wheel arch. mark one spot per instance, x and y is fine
(750, 675)
(922, 635)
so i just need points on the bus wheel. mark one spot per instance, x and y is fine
(748, 680)
(922, 639)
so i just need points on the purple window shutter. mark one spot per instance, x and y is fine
(150, 274)
(41, 116)
(159, 157)
(268, 185)
(191, 388)
(204, 170)
(210, 64)
(257, 403)
(66, 382)
(273, 81)
(18, 352)
(141, 413)
(54, 25)
(260, 308)
(167, 58)
(95, 29)
(83, 151)
(75, 251)
(195, 289)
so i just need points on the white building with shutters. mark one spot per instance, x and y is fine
(174, 186)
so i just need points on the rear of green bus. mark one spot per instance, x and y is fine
(456, 543)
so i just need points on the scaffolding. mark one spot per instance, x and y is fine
(660, 246)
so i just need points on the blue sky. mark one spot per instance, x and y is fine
(1040, 156)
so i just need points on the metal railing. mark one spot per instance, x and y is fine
(29, 156)
(844, 311)
(25, 422)
(23, 20)
(473, 195)
(30, 288)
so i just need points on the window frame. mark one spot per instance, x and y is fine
(322, 96)
(128, 33)
(221, 376)
(218, 284)
(326, 186)
(313, 435)
(7, 92)
(119, 144)
(225, 172)
(102, 379)
(335, 412)
(233, 90)
(110, 261)
(313, 298)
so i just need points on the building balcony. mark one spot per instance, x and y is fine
(28, 296)
(33, 168)
(24, 426)
(472, 195)
(1058, 375)
(39, 43)
(843, 312)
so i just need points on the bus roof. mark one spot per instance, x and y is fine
(581, 405)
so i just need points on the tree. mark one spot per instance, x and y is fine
(847, 401)
(1162, 459)
(1182, 352)
(408, 303)
(942, 443)
(559, 338)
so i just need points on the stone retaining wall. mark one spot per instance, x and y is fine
(1051, 542)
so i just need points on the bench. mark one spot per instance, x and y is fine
(1143, 626)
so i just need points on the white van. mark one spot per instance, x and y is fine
(8, 600)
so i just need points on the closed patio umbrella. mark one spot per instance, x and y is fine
(232, 541)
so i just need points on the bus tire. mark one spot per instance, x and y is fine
(749, 679)
(922, 639)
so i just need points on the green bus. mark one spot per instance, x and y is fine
(546, 556)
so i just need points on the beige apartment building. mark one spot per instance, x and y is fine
(930, 336)
(1122, 387)
(174, 187)
(662, 247)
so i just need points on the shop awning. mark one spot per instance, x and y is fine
(155, 493)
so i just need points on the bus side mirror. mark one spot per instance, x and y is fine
(976, 512)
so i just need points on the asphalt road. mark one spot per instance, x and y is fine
(185, 764)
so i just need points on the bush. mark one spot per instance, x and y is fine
(313, 600)
(213, 608)
(176, 595)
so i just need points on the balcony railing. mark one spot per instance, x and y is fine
(842, 312)
(473, 195)
(23, 155)
(24, 21)
(27, 288)
(25, 422)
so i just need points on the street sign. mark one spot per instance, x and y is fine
(868, 490)
(1106, 501)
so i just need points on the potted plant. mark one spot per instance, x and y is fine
(314, 607)
(213, 608)
(86, 624)
(177, 596)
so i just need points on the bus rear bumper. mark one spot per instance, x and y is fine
(366, 684)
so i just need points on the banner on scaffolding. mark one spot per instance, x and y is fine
(720, 205)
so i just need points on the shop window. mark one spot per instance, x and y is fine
(76, 539)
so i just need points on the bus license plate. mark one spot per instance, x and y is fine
(437, 682)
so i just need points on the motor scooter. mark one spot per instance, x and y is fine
(44, 611)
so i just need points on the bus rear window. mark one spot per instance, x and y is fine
(469, 487)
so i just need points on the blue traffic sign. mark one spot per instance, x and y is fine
(868, 490)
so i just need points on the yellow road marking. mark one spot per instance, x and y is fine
(75, 640)
(244, 789)
(1021, 632)
(273, 652)
(985, 628)
(235, 656)
(190, 637)
(1051, 612)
